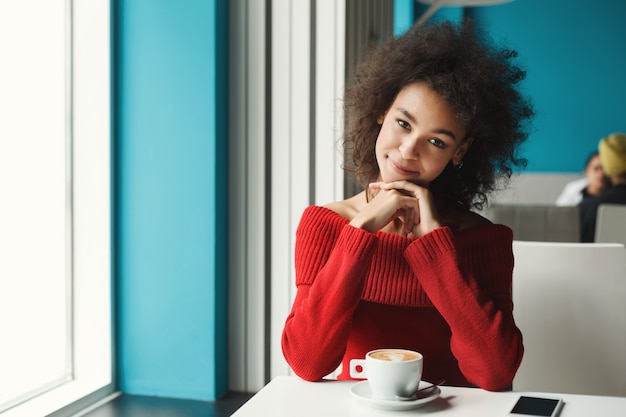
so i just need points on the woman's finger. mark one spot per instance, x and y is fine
(376, 185)
(402, 186)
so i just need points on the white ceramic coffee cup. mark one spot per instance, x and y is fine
(391, 373)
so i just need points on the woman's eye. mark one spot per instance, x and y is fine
(437, 142)
(404, 124)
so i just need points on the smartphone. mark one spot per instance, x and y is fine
(535, 406)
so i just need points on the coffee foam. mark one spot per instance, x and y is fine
(395, 355)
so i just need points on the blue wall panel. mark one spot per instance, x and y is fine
(171, 152)
(575, 56)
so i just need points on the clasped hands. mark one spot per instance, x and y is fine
(405, 201)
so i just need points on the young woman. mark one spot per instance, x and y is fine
(433, 118)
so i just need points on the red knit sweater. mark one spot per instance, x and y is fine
(446, 295)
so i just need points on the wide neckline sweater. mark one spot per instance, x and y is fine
(446, 294)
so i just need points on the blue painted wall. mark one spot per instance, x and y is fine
(403, 15)
(171, 196)
(575, 56)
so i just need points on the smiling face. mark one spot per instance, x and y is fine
(419, 136)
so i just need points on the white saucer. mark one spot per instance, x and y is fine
(361, 391)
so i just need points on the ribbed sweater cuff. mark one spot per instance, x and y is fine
(431, 246)
(355, 240)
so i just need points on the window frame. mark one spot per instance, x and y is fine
(88, 112)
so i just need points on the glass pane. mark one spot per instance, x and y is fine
(34, 294)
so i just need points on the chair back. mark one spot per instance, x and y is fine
(611, 223)
(570, 305)
(544, 223)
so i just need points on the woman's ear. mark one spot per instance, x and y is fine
(461, 151)
(381, 118)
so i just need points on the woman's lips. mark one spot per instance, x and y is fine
(401, 170)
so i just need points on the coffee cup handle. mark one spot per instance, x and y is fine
(354, 372)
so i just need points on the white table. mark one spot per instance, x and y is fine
(290, 396)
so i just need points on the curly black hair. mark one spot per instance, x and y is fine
(478, 79)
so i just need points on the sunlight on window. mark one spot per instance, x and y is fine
(34, 216)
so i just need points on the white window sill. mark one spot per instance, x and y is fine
(78, 394)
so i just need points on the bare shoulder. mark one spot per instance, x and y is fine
(347, 208)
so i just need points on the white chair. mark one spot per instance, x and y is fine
(570, 305)
(611, 223)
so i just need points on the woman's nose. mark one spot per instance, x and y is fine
(409, 148)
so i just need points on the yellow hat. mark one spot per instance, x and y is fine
(612, 151)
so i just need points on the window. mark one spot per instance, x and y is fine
(33, 290)
(55, 285)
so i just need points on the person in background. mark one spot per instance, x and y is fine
(594, 183)
(433, 119)
(612, 150)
